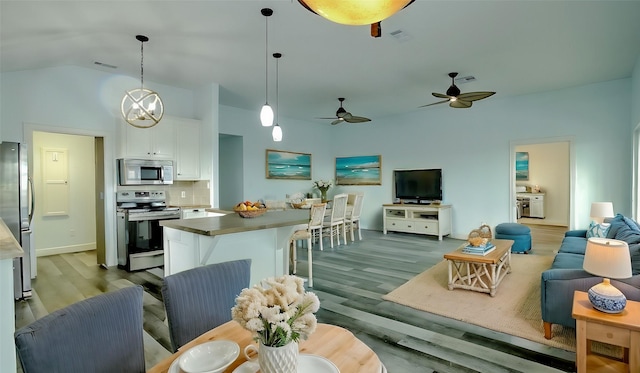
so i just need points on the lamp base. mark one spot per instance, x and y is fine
(606, 298)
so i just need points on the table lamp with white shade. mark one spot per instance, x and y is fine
(607, 258)
(600, 211)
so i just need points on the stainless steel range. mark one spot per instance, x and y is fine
(139, 232)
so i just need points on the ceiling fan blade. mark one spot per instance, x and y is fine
(435, 103)
(460, 104)
(474, 96)
(440, 95)
(339, 120)
(325, 117)
(355, 119)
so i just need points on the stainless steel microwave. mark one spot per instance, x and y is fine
(145, 171)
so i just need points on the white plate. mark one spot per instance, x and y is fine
(213, 356)
(306, 363)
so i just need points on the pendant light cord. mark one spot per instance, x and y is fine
(277, 91)
(266, 59)
(141, 65)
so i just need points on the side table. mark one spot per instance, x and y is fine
(622, 329)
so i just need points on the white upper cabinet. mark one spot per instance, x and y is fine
(157, 142)
(177, 139)
(187, 149)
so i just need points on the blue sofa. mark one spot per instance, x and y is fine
(566, 274)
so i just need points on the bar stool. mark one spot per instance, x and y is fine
(305, 232)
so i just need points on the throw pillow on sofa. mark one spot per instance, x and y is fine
(627, 230)
(598, 230)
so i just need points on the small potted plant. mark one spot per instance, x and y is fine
(279, 313)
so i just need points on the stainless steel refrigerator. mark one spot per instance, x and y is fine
(16, 208)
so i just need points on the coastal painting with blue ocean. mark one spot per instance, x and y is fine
(288, 165)
(361, 170)
(522, 166)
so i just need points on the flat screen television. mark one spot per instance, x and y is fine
(418, 185)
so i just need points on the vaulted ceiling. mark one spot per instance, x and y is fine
(511, 47)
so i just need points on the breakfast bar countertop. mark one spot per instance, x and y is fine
(233, 223)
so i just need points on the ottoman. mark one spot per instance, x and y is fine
(520, 234)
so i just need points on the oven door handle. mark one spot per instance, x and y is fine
(154, 217)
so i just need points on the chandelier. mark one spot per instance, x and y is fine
(142, 107)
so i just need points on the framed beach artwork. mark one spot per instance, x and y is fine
(361, 170)
(522, 166)
(288, 165)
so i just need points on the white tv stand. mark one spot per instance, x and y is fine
(420, 219)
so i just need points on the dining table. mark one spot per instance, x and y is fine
(339, 345)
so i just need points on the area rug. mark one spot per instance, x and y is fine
(515, 309)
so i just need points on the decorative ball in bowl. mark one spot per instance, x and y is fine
(248, 209)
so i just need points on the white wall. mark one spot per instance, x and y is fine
(75, 231)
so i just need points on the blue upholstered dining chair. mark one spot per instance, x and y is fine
(98, 334)
(199, 299)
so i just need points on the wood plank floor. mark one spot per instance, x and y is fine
(350, 281)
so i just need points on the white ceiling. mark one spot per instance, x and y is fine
(512, 47)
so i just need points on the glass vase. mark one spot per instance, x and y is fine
(323, 195)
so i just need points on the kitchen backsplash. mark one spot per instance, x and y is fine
(196, 193)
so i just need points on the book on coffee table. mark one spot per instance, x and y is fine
(479, 250)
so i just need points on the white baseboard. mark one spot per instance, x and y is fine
(66, 249)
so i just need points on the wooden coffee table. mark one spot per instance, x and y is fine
(482, 273)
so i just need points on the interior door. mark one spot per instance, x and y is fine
(101, 254)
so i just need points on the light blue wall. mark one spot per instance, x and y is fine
(635, 95)
(471, 146)
(83, 101)
(74, 97)
(298, 136)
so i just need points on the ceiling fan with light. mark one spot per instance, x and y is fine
(459, 100)
(342, 115)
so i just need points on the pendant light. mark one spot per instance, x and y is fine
(266, 114)
(277, 130)
(142, 107)
(355, 12)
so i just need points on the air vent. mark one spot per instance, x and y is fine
(465, 79)
(105, 65)
(400, 35)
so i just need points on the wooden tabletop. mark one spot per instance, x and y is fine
(337, 344)
(582, 309)
(492, 258)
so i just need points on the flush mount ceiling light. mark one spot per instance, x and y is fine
(277, 130)
(142, 107)
(356, 12)
(266, 114)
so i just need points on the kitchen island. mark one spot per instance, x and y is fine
(190, 243)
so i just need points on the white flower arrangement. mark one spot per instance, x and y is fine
(277, 311)
(322, 184)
